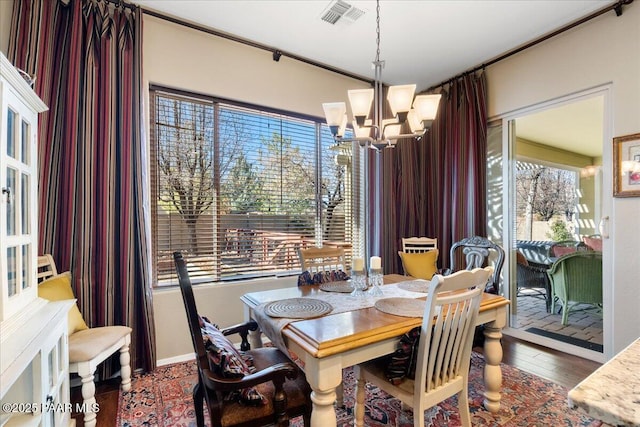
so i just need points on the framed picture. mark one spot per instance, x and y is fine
(626, 166)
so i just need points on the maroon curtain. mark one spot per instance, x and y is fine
(87, 58)
(435, 187)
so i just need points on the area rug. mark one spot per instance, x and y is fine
(163, 398)
(564, 338)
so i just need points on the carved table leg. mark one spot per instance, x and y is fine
(324, 376)
(125, 366)
(492, 370)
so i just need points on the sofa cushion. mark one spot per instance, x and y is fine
(593, 243)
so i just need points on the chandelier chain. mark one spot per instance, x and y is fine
(378, 31)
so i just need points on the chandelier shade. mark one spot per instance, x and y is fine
(378, 132)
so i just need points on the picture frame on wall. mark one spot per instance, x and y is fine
(626, 166)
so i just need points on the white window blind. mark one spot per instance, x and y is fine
(239, 189)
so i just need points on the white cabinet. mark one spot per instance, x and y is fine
(34, 355)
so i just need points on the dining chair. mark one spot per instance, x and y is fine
(478, 251)
(322, 259)
(88, 347)
(444, 349)
(412, 245)
(223, 372)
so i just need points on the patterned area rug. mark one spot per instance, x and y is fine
(163, 398)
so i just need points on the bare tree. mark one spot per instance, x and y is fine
(543, 192)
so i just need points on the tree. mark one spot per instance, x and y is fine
(543, 192)
(244, 188)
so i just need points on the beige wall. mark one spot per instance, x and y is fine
(179, 57)
(6, 8)
(600, 52)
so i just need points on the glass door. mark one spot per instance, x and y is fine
(554, 197)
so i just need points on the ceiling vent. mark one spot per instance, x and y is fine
(341, 11)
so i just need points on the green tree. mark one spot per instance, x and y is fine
(245, 187)
(559, 231)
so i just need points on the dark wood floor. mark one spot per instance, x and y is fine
(561, 368)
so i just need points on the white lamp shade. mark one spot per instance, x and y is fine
(364, 131)
(360, 101)
(391, 128)
(414, 121)
(400, 98)
(334, 112)
(426, 106)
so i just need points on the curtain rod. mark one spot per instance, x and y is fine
(276, 53)
(614, 6)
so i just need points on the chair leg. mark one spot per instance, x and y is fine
(88, 394)
(360, 397)
(125, 366)
(463, 408)
(198, 396)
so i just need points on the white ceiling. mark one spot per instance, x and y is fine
(422, 42)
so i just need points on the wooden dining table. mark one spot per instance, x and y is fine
(329, 343)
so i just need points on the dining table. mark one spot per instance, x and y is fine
(358, 332)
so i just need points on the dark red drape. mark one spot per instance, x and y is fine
(435, 187)
(87, 58)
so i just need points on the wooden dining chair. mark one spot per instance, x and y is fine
(322, 259)
(411, 245)
(444, 349)
(282, 384)
(88, 347)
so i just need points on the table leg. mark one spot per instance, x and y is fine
(493, 357)
(324, 376)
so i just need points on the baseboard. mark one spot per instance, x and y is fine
(176, 359)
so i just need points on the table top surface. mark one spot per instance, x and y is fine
(612, 392)
(335, 333)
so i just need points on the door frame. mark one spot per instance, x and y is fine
(508, 162)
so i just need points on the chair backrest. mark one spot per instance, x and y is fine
(46, 267)
(192, 314)
(578, 277)
(479, 251)
(448, 325)
(322, 259)
(418, 244)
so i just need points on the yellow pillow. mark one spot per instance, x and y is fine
(59, 288)
(420, 265)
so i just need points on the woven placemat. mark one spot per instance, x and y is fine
(298, 308)
(415, 286)
(340, 286)
(406, 307)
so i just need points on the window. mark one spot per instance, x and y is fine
(239, 189)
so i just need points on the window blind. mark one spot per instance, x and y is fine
(239, 190)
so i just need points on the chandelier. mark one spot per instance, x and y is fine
(377, 132)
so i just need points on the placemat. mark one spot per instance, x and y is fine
(406, 307)
(298, 308)
(415, 286)
(341, 286)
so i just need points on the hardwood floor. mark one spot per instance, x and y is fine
(561, 368)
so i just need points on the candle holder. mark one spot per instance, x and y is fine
(359, 283)
(375, 281)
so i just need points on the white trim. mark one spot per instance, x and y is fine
(176, 359)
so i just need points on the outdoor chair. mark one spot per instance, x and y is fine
(444, 349)
(576, 279)
(274, 389)
(532, 280)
